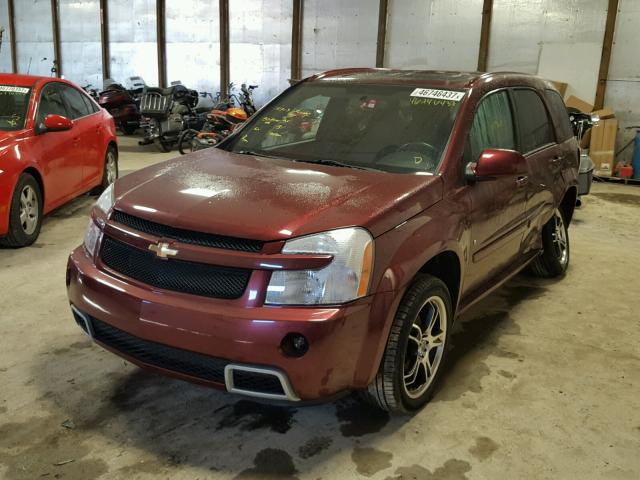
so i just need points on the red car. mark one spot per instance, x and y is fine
(328, 245)
(55, 144)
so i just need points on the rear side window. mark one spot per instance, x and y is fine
(77, 106)
(559, 114)
(533, 123)
(492, 126)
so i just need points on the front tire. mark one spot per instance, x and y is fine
(554, 259)
(185, 141)
(25, 215)
(416, 349)
(110, 170)
(165, 146)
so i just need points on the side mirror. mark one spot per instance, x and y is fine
(56, 123)
(494, 163)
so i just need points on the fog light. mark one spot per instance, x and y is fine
(294, 345)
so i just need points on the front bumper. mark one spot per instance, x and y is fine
(344, 343)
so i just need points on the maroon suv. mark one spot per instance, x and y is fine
(329, 244)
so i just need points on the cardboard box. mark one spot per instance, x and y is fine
(581, 105)
(604, 113)
(603, 164)
(603, 145)
(560, 86)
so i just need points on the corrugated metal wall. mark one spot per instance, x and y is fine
(80, 41)
(556, 38)
(132, 36)
(5, 47)
(260, 45)
(338, 33)
(433, 34)
(193, 44)
(34, 36)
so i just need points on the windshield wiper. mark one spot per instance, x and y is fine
(253, 152)
(335, 163)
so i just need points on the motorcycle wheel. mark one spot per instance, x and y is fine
(128, 129)
(163, 145)
(184, 141)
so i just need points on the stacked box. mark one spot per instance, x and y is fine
(602, 146)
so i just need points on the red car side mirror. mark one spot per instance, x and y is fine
(494, 163)
(57, 123)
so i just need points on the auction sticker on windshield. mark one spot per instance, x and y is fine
(9, 89)
(438, 94)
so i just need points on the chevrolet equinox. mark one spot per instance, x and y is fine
(328, 244)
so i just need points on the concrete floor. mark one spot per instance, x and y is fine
(544, 382)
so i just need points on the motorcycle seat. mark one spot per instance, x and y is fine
(161, 91)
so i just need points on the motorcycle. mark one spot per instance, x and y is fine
(169, 111)
(122, 106)
(246, 100)
(219, 125)
(93, 92)
(581, 123)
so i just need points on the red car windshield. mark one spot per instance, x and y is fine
(14, 102)
(393, 128)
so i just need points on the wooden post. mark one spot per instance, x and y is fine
(296, 40)
(224, 49)
(382, 33)
(12, 34)
(161, 43)
(607, 42)
(55, 25)
(485, 31)
(104, 39)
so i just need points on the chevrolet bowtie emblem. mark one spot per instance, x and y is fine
(162, 250)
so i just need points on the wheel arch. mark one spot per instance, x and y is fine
(36, 174)
(568, 203)
(113, 144)
(447, 267)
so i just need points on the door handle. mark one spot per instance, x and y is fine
(522, 181)
(557, 159)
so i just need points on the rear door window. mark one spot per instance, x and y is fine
(76, 104)
(534, 125)
(492, 126)
(559, 114)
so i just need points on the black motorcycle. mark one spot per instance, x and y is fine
(246, 100)
(169, 112)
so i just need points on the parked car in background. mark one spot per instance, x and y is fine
(329, 243)
(55, 144)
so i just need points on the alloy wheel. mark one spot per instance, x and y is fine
(111, 167)
(29, 210)
(425, 347)
(560, 243)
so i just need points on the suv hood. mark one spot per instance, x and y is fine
(269, 199)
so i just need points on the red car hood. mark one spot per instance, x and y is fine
(271, 199)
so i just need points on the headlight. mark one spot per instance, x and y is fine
(344, 279)
(106, 200)
(91, 237)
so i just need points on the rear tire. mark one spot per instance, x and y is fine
(25, 215)
(554, 259)
(416, 349)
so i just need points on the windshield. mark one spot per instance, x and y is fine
(13, 106)
(384, 127)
